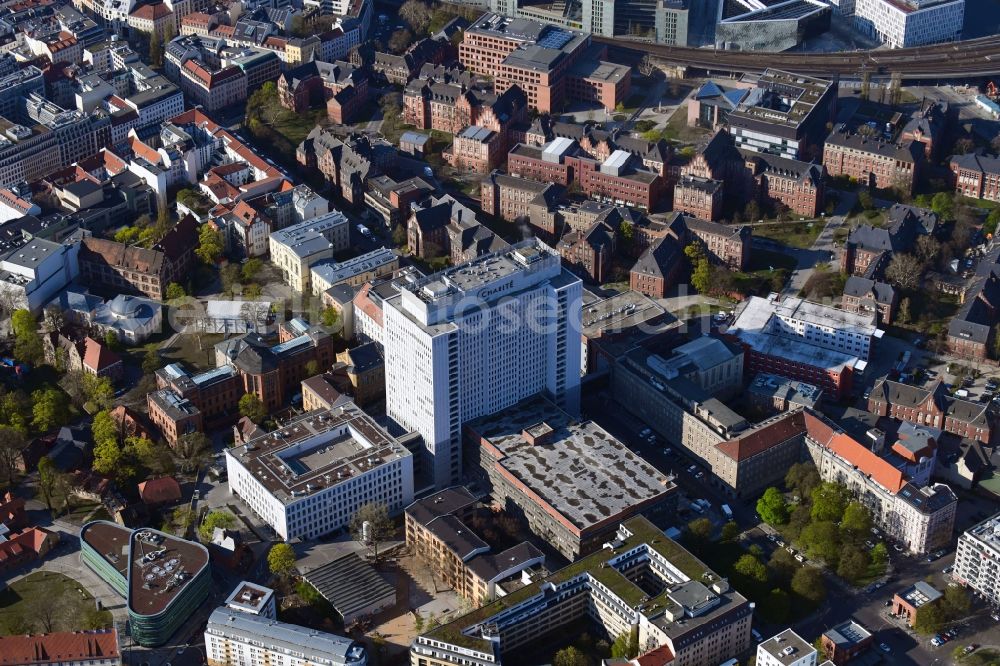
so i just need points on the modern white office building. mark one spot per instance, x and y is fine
(786, 649)
(812, 323)
(977, 559)
(478, 338)
(296, 248)
(308, 477)
(902, 23)
(234, 638)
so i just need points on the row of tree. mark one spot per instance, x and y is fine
(826, 523)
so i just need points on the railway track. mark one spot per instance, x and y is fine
(972, 58)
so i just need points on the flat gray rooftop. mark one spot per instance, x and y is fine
(579, 469)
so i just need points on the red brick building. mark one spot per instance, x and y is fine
(590, 253)
(872, 161)
(933, 407)
(976, 175)
(341, 86)
(542, 59)
(511, 198)
(657, 270)
(701, 197)
(798, 185)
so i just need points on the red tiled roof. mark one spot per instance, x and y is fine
(159, 491)
(856, 454)
(151, 12)
(60, 646)
(658, 657)
(764, 437)
(97, 356)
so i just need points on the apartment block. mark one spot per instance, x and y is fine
(706, 622)
(977, 559)
(437, 533)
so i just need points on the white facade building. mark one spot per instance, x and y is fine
(296, 248)
(32, 274)
(977, 559)
(813, 323)
(786, 649)
(904, 23)
(234, 638)
(311, 475)
(478, 338)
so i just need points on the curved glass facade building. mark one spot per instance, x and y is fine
(162, 578)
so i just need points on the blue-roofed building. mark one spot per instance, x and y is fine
(711, 105)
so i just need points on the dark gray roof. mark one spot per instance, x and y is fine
(349, 584)
(859, 287)
(461, 540)
(657, 258)
(442, 503)
(489, 566)
(977, 162)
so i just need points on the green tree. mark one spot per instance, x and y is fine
(329, 317)
(956, 603)
(49, 409)
(879, 556)
(312, 368)
(12, 442)
(772, 507)
(371, 527)
(570, 656)
(701, 269)
(857, 521)
(750, 567)
(828, 502)
(250, 269)
(155, 49)
(626, 646)
(221, 519)
(27, 343)
(210, 244)
(111, 341)
(752, 211)
(48, 481)
(992, 220)
(802, 478)
(808, 584)
(905, 314)
(782, 566)
(698, 533)
(151, 362)
(822, 540)
(281, 560)
(253, 408)
(943, 204)
(127, 235)
(776, 606)
(399, 238)
(230, 276)
(930, 618)
(853, 565)
(730, 531)
(175, 291)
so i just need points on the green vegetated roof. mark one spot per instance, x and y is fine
(642, 530)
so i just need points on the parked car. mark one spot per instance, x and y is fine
(645, 432)
(896, 547)
(885, 648)
(970, 648)
(800, 559)
(947, 570)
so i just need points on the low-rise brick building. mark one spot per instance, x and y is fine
(873, 161)
(341, 86)
(933, 407)
(701, 197)
(797, 185)
(976, 175)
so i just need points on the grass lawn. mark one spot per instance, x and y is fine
(677, 127)
(71, 605)
(982, 657)
(763, 260)
(793, 234)
(193, 350)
